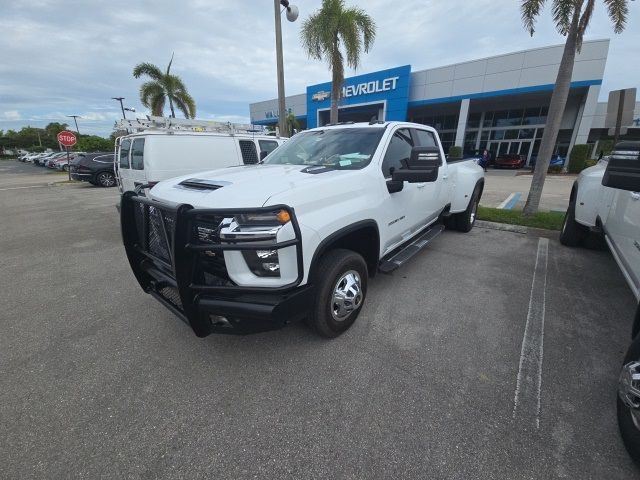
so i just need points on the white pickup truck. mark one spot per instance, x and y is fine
(251, 248)
(605, 203)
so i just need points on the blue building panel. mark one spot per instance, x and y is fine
(390, 87)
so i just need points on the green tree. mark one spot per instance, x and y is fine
(571, 18)
(93, 143)
(291, 124)
(162, 87)
(330, 30)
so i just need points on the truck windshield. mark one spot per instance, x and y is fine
(347, 148)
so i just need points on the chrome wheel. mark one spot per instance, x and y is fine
(106, 180)
(629, 390)
(347, 295)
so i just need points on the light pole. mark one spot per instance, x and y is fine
(292, 15)
(119, 99)
(75, 117)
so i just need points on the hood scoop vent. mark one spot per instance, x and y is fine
(201, 184)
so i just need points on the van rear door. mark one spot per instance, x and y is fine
(124, 169)
(137, 172)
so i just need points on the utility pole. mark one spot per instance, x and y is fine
(119, 99)
(75, 117)
(292, 15)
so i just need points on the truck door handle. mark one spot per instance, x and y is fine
(635, 195)
(445, 176)
(421, 185)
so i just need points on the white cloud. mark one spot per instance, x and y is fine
(11, 115)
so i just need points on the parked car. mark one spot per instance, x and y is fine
(605, 203)
(38, 157)
(252, 248)
(510, 160)
(556, 161)
(150, 156)
(96, 168)
(62, 162)
(56, 156)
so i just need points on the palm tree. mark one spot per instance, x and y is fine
(291, 123)
(571, 18)
(330, 28)
(161, 87)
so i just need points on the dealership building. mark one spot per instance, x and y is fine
(499, 103)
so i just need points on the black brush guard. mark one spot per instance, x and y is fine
(166, 258)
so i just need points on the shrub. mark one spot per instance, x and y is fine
(579, 155)
(590, 163)
(455, 151)
(555, 169)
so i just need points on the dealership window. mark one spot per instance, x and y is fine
(473, 121)
(470, 139)
(137, 154)
(124, 153)
(399, 149)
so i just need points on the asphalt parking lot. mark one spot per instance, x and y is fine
(433, 381)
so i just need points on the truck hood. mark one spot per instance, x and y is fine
(247, 186)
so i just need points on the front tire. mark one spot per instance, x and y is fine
(341, 287)
(572, 233)
(629, 417)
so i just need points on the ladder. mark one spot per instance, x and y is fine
(169, 124)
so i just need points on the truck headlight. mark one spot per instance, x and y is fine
(263, 263)
(255, 227)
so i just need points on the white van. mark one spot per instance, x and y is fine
(150, 156)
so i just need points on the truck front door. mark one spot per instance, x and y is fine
(402, 216)
(431, 196)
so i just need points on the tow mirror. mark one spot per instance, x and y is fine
(623, 168)
(422, 166)
(263, 154)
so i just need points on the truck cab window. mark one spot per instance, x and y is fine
(399, 149)
(137, 154)
(267, 146)
(124, 153)
(249, 152)
(424, 138)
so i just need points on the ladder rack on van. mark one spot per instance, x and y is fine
(169, 124)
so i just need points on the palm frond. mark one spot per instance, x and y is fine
(150, 90)
(185, 104)
(530, 9)
(618, 11)
(148, 69)
(562, 12)
(170, 62)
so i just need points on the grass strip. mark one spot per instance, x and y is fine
(546, 220)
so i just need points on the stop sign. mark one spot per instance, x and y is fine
(66, 138)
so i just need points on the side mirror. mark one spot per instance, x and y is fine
(623, 169)
(263, 154)
(393, 186)
(422, 166)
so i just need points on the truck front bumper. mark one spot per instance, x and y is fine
(189, 278)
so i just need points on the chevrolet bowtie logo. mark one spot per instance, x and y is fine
(320, 96)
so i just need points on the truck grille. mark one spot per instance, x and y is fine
(155, 228)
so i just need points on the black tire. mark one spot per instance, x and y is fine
(628, 430)
(464, 221)
(572, 233)
(106, 179)
(332, 268)
(65, 168)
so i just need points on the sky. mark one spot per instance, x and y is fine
(62, 57)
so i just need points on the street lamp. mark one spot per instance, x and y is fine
(75, 117)
(119, 99)
(292, 15)
(127, 109)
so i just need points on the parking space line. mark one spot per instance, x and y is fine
(506, 201)
(19, 188)
(526, 399)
